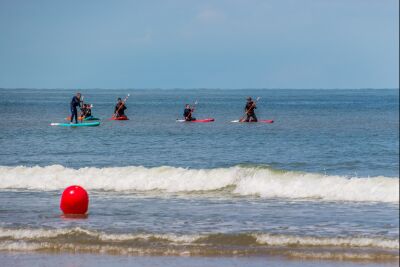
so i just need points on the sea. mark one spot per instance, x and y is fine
(317, 187)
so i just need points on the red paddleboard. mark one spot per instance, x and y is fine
(261, 121)
(266, 121)
(121, 118)
(200, 120)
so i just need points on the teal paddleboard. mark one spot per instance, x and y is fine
(83, 124)
(91, 118)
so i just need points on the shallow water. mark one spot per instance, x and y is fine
(88, 260)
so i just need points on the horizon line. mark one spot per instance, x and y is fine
(199, 88)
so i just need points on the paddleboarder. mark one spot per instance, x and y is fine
(187, 113)
(75, 102)
(119, 110)
(86, 111)
(249, 110)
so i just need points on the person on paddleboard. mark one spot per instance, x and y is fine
(249, 110)
(75, 102)
(119, 110)
(86, 111)
(187, 113)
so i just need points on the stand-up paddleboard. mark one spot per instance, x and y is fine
(83, 124)
(200, 120)
(91, 118)
(260, 121)
(121, 118)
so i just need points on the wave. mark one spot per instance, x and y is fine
(80, 235)
(238, 180)
(90, 241)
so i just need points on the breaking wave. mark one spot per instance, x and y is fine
(238, 180)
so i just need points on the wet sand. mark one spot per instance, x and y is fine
(96, 260)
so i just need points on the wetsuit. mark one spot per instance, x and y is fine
(75, 102)
(187, 114)
(120, 112)
(83, 111)
(249, 109)
(86, 112)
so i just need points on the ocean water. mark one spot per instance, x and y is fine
(321, 182)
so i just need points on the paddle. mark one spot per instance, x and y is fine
(247, 111)
(194, 106)
(81, 117)
(120, 106)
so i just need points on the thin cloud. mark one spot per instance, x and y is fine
(143, 39)
(210, 15)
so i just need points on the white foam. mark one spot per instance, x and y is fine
(39, 234)
(10, 236)
(262, 182)
(293, 240)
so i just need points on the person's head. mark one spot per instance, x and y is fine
(119, 100)
(248, 99)
(187, 106)
(78, 95)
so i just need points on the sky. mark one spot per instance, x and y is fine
(199, 44)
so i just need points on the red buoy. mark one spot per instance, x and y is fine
(74, 200)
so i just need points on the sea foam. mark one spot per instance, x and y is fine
(239, 180)
(79, 235)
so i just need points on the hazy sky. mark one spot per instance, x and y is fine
(199, 44)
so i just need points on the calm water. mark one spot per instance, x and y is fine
(349, 132)
(320, 182)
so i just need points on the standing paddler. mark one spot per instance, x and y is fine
(75, 102)
(249, 111)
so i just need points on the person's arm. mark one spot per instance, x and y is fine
(252, 107)
(186, 114)
(76, 102)
(247, 109)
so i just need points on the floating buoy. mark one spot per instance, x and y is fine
(74, 200)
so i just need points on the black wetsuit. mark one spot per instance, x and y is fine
(75, 102)
(187, 114)
(249, 109)
(86, 112)
(83, 112)
(120, 112)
